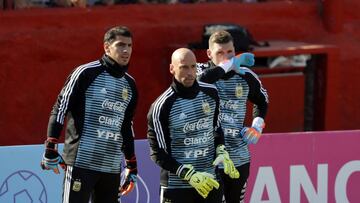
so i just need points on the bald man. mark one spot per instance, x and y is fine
(184, 135)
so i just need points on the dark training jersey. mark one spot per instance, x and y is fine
(234, 90)
(99, 100)
(183, 128)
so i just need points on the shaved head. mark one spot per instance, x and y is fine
(182, 54)
(183, 66)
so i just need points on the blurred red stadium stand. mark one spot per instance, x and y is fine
(39, 48)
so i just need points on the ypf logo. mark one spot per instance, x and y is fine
(23, 186)
(140, 194)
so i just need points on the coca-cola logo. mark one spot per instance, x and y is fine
(113, 106)
(198, 125)
(230, 104)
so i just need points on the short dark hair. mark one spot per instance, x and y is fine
(112, 33)
(220, 37)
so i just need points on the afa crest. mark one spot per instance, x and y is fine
(76, 186)
(206, 107)
(239, 90)
(125, 94)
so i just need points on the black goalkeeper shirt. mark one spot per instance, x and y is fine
(99, 100)
(183, 128)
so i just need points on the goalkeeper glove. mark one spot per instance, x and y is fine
(51, 158)
(252, 135)
(245, 59)
(203, 182)
(223, 157)
(130, 177)
(235, 63)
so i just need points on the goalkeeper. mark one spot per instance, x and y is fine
(236, 85)
(98, 101)
(185, 138)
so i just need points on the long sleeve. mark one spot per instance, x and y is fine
(159, 139)
(65, 101)
(127, 127)
(218, 132)
(209, 73)
(257, 95)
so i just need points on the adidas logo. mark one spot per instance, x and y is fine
(182, 116)
(103, 90)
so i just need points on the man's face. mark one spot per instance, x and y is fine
(119, 50)
(220, 52)
(184, 70)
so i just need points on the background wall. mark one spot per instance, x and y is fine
(39, 48)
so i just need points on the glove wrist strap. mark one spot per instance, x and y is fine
(220, 149)
(131, 163)
(185, 171)
(51, 143)
(258, 123)
(51, 148)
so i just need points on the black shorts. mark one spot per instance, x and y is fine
(234, 189)
(189, 195)
(79, 183)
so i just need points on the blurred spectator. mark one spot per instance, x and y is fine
(253, 1)
(18, 4)
(78, 3)
(111, 2)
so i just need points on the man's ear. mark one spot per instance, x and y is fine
(171, 69)
(208, 52)
(106, 48)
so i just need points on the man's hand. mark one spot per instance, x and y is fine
(130, 177)
(245, 59)
(203, 182)
(51, 158)
(129, 184)
(223, 157)
(252, 135)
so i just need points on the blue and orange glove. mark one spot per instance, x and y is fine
(251, 135)
(130, 177)
(51, 158)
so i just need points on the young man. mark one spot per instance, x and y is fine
(236, 85)
(99, 100)
(185, 137)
